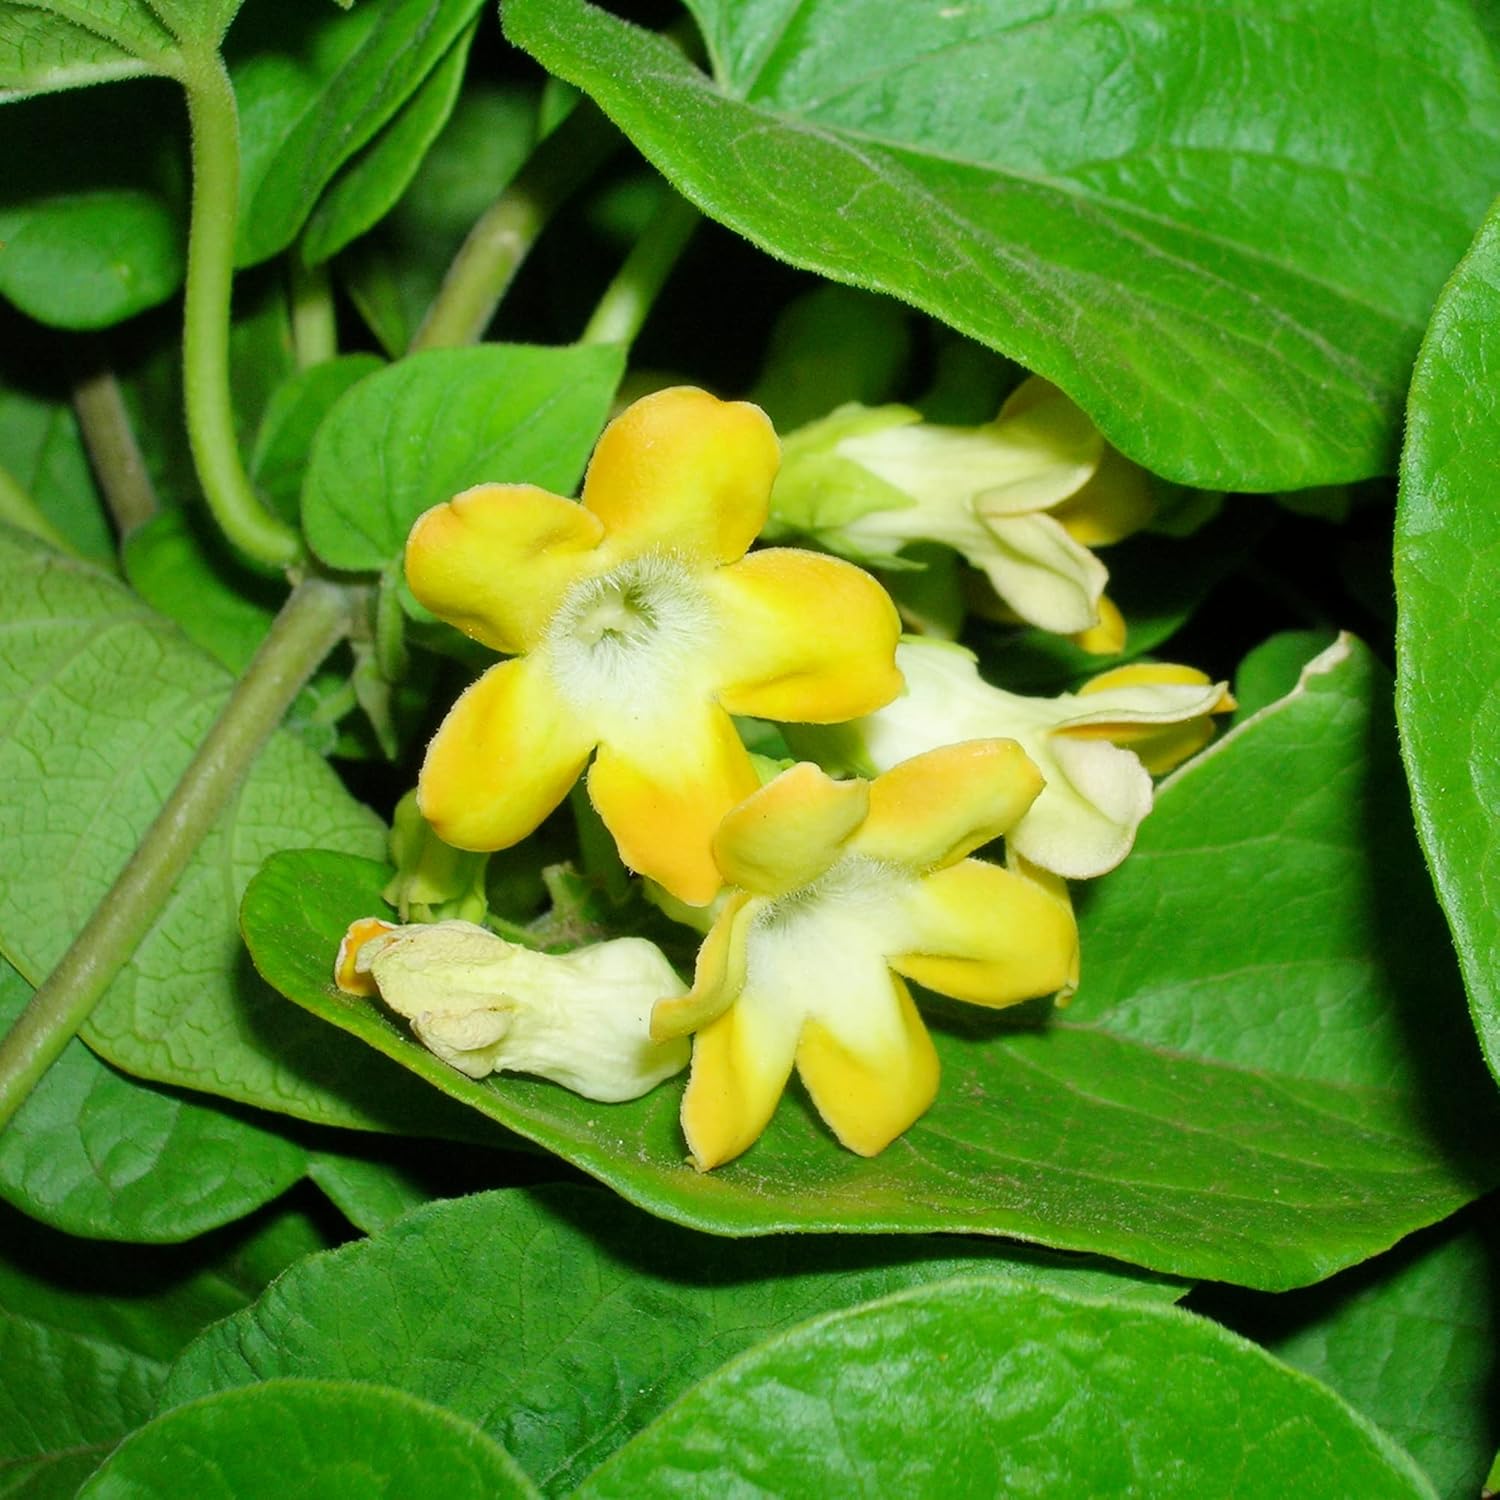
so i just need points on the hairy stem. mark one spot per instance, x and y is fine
(311, 622)
(314, 326)
(489, 258)
(18, 509)
(627, 299)
(241, 515)
(113, 451)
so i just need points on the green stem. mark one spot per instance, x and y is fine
(18, 509)
(314, 325)
(628, 298)
(489, 258)
(311, 622)
(262, 536)
(113, 450)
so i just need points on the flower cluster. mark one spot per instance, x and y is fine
(638, 626)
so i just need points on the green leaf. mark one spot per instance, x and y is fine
(415, 434)
(102, 704)
(1447, 654)
(65, 1401)
(332, 1440)
(369, 187)
(154, 1300)
(559, 1320)
(1273, 668)
(1088, 188)
(1409, 1340)
(393, 273)
(1252, 1101)
(94, 225)
(69, 43)
(98, 1154)
(314, 86)
(988, 1388)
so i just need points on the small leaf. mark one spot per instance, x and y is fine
(559, 1320)
(334, 1440)
(988, 1388)
(1447, 651)
(413, 435)
(1088, 189)
(1230, 1097)
(95, 1153)
(65, 46)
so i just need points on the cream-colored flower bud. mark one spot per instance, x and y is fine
(486, 1006)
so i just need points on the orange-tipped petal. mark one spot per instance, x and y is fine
(346, 972)
(1115, 503)
(718, 976)
(937, 807)
(985, 935)
(496, 560)
(741, 1063)
(1162, 728)
(788, 833)
(504, 757)
(1108, 637)
(868, 1099)
(1144, 674)
(683, 472)
(663, 799)
(807, 639)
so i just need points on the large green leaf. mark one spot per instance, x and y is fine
(99, 1154)
(102, 704)
(986, 1388)
(65, 44)
(331, 1440)
(1273, 1114)
(560, 1321)
(1447, 651)
(1409, 1340)
(1219, 230)
(413, 435)
(314, 86)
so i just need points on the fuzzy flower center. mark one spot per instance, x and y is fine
(620, 639)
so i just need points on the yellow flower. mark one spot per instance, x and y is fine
(485, 1006)
(1097, 749)
(841, 889)
(640, 626)
(1023, 498)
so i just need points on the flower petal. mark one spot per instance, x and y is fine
(788, 833)
(1041, 572)
(1115, 503)
(496, 560)
(683, 472)
(718, 975)
(935, 808)
(806, 638)
(868, 1097)
(741, 1063)
(1160, 710)
(662, 798)
(504, 757)
(988, 936)
(1108, 637)
(347, 974)
(1084, 822)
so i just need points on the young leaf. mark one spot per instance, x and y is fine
(560, 1321)
(111, 702)
(1447, 653)
(988, 1388)
(60, 45)
(1137, 202)
(273, 1440)
(314, 86)
(412, 436)
(1287, 1104)
(95, 1153)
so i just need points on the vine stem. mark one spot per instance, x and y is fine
(315, 335)
(113, 451)
(262, 536)
(627, 299)
(312, 621)
(503, 235)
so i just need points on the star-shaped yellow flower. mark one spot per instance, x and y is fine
(640, 626)
(843, 888)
